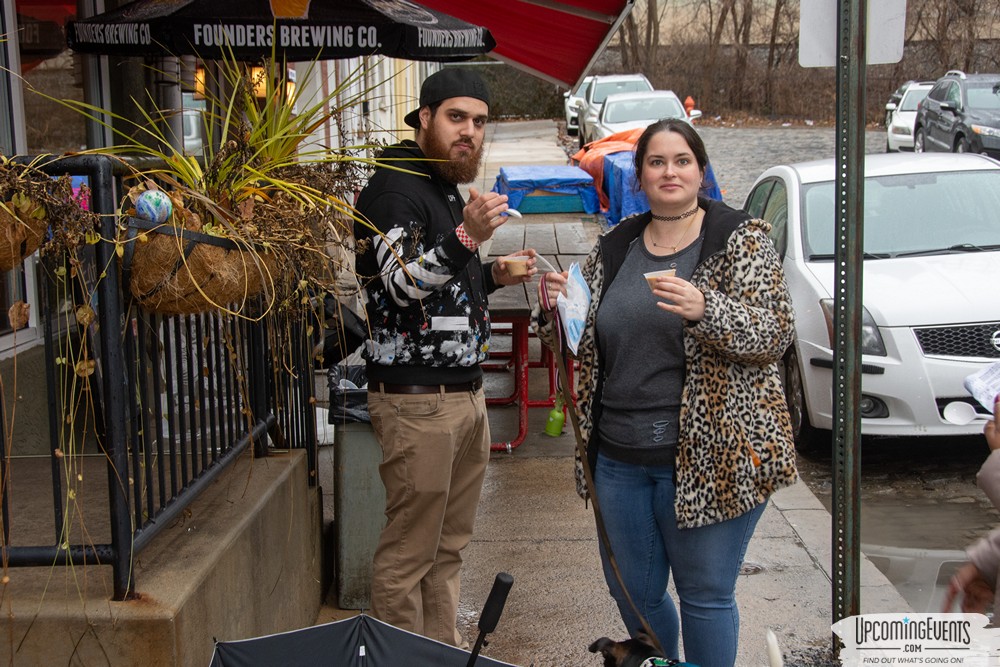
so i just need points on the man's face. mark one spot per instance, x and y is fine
(454, 132)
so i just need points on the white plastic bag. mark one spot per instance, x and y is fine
(573, 307)
(984, 385)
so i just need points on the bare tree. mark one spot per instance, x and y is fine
(952, 28)
(640, 38)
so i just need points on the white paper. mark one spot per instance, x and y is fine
(573, 307)
(985, 385)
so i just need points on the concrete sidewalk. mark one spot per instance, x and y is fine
(532, 525)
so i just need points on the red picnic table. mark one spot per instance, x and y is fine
(561, 239)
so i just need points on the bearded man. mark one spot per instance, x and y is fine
(430, 331)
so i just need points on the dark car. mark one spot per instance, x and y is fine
(960, 114)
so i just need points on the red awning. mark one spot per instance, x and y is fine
(557, 40)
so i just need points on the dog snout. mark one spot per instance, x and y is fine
(602, 645)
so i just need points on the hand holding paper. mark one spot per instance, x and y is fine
(573, 307)
(985, 385)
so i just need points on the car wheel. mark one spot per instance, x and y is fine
(961, 145)
(572, 131)
(918, 141)
(888, 148)
(807, 439)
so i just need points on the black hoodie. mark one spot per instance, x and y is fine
(427, 305)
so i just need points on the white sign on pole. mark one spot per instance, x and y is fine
(818, 23)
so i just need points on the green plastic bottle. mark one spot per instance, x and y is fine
(554, 424)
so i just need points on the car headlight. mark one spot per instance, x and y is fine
(871, 339)
(986, 130)
(901, 129)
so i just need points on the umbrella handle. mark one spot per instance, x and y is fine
(495, 602)
(491, 612)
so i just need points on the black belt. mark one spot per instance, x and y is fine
(475, 385)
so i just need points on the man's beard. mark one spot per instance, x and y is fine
(452, 170)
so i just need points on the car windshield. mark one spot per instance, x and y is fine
(912, 98)
(650, 109)
(984, 95)
(604, 88)
(911, 214)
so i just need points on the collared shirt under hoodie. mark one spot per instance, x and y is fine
(427, 292)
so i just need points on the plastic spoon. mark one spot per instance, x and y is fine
(958, 412)
(546, 263)
(514, 213)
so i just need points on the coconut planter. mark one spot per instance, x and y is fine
(176, 271)
(21, 233)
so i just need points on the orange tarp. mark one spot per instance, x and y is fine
(590, 158)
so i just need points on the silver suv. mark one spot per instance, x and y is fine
(590, 106)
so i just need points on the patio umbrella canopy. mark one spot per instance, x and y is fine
(296, 30)
(359, 640)
(363, 640)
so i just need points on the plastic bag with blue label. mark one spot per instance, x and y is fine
(573, 307)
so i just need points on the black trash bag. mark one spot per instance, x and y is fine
(348, 405)
(345, 332)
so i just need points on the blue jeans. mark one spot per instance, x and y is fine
(637, 503)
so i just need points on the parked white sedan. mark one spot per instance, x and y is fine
(903, 116)
(628, 111)
(600, 87)
(931, 299)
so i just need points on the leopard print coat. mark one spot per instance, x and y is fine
(735, 446)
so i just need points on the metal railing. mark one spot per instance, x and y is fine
(175, 399)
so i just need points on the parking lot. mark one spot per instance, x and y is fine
(739, 155)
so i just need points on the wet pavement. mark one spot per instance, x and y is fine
(920, 507)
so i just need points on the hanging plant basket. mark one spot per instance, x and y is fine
(21, 233)
(39, 211)
(175, 271)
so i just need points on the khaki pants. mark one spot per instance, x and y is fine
(435, 448)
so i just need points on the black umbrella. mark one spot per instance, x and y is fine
(363, 640)
(296, 30)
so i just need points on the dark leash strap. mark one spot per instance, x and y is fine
(587, 473)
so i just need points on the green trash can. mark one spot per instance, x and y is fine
(358, 511)
(358, 495)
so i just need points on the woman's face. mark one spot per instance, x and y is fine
(670, 174)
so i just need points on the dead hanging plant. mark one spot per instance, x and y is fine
(38, 211)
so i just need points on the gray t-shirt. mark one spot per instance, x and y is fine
(642, 352)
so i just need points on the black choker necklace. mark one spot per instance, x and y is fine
(674, 218)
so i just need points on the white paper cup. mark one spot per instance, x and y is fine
(652, 276)
(517, 265)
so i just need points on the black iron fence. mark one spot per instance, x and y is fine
(170, 400)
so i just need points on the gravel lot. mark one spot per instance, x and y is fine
(740, 154)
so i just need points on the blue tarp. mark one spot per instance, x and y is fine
(624, 198)
(517, 182)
